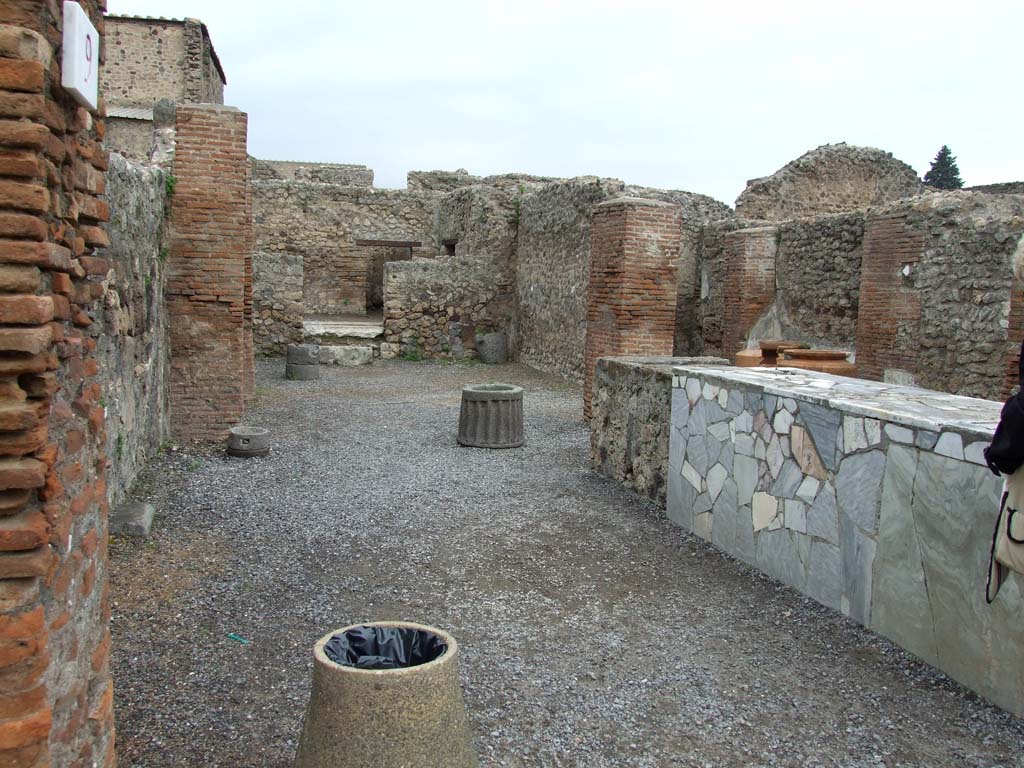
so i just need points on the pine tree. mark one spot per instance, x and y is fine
(944, 174)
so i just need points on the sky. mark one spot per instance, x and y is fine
(676, 94)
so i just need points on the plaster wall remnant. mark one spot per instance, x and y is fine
(134, 350)
(833, 178)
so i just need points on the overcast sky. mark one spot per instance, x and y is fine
(673, 94)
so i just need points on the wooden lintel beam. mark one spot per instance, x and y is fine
(391, 243)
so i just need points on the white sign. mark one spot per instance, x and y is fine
(80, 69)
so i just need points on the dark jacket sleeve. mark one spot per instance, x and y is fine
(1006, 452)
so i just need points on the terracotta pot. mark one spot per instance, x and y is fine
(822, 360)
(412, 716)
(748, 358)
(772, 348)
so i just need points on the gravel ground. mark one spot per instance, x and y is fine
(592, 631)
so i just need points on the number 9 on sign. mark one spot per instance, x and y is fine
(80, 62)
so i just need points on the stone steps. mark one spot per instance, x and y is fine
(343, 340)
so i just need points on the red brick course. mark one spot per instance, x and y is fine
(749, 283)
(209, 284)
(888, 301)
(631, 299)
(53, 507)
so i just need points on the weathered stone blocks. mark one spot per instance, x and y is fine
(346, 356)
(629, 434)
(303, 354)
(135, 519)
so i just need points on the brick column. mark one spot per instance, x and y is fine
(631, 299)
(889, 303)
(249, 351)
(56, 697)
(749, 283)
(209, 286)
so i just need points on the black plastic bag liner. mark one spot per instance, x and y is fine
(384, 647)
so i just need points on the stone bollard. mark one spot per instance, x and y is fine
(492, 348)
(409, 716)
(302, 362)
(491, 416)
(248, 442)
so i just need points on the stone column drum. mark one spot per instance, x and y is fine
(412, 716)
(491, 416)
(248, 442)
(302, 362)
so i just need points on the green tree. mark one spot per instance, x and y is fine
(944, 174)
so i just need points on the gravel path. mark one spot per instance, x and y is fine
(592, 631)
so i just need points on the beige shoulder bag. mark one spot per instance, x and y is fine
(1008, 537)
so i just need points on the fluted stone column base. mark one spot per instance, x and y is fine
(491, 416)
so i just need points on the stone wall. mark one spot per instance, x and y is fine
(935, 298)
(796, 280)
(872, 499)
(209, 288)
(707, 338)
(818, 275)
(920, 289)
(204, 78)
(277, 299)
(439, 181)
(439, 308)
(57, 704)
(130, 138)
(1005, 188)
(552, 260)
(320, 224)
(149, 59)
(134, 350)
(449, 181)
(552, 273)
(631, 419)
(344, 175)
(833, 178)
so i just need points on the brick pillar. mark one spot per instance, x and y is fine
(631, 299)
(56, 697)
(249, 352)
(209, 285)
(749, 283)
(889, 303)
